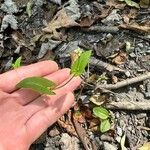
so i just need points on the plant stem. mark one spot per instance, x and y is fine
(64, 83)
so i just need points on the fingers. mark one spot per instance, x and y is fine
(45, 101)
(9, 79)
(24, 96)
(39, 122)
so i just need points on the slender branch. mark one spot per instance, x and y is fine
(125, 82)
(64, 83)
(125, 105)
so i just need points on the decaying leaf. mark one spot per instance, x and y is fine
(60, 20)
(98, 99)
(120, 58)
(146, 146)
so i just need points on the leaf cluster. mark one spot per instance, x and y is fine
(103, 114)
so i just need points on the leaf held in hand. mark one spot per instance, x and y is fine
(17, 63)
(101, 112)
(38, 84)
(105, 125)
(79, 65)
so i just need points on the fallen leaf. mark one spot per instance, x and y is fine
(98, 99)
(146, 146)
(79, 117)
(115, 4)
(61, 20)
(86, 21)
(120, 58)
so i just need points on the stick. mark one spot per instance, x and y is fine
(107, 29)
(125, 105)
(87, 143)
(103, 65)
(125, 82)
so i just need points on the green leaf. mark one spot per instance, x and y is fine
(17, 63)
(101, 112)
(131, 3)
(79, 65)
(105, 125)
(38, 84)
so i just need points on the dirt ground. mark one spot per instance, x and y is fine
(118, 75)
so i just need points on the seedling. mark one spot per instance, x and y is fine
(103, 115)
(17, 63)
(45, 86)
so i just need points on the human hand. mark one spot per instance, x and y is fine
(24, 114)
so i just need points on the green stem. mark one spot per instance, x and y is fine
(64, 83)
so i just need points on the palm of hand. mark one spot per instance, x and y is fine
(25, 115)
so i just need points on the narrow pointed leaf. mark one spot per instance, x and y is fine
(79, 65)
(38, 84)
(105, 125)
(17, 63)
(101, 112)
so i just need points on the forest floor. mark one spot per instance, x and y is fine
(118, 75)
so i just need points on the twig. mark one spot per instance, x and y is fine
(88, 145)
(103, 65)
(125, 82)
(107, 29)
(125, 105)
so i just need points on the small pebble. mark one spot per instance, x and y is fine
(140, 45)
(119, 131)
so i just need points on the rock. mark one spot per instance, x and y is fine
(69, 143)
(108, 146)
(119, 131)
(9, 20)
(56, 1)
(9, 7)
(54, 132)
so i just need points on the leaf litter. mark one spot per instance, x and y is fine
(58, 27)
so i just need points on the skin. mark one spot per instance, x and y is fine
(24, 114)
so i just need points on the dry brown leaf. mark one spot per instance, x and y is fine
(115, 4)
(67, 124)
(60, 20)
(129, 15)
(87, 21)
(79, 117)
(146, 146)
(120, 58)
(136, 27)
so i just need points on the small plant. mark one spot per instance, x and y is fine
(17, 63)
(45, 86)
(104, 116)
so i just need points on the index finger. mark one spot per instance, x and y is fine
(9, 79)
